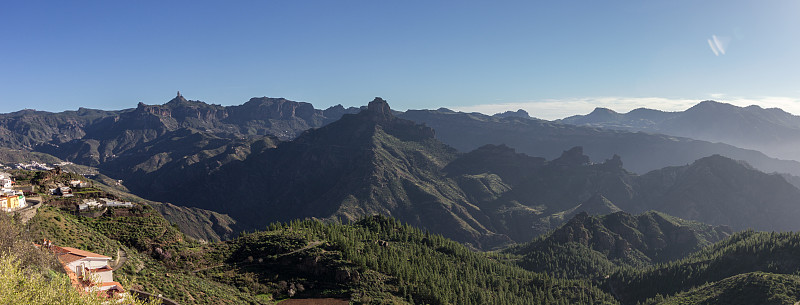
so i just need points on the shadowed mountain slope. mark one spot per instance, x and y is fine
(364, 164)
(717, 190)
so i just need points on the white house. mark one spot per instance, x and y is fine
(89, 204)
(6, 183)
(91, 269)
(64, 191)
(78, 183)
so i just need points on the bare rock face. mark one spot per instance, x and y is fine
(158, 110)
(380, 107)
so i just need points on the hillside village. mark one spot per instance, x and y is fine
(34, 165)
(11, 199)
(74, 194)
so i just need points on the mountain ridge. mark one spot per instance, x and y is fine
(375, 162)
(642, 151)
(771, 130)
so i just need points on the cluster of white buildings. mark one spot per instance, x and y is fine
(87, 204)
(103, 202)
(33, 165)
(66, 191)
(10, 199)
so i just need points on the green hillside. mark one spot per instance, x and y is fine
(382, 259)
(743, 252)
(591, 246)
(756, 288)
(376, 260)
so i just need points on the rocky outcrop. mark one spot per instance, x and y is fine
(572, 157)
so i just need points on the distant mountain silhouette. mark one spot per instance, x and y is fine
(642, 152)
(772, 131)
(519, 113)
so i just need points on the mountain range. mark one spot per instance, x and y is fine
(92, 137)
(377, 161)
(342, 203)
(772, 131)
(642, 151)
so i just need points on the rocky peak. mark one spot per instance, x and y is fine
(334, 113)
(153, 109)
(519, 113)
(337, 108)
(492, 149)
(602, 111)
(572, 157)
(178, 99)
(261, 108)
(603, 114)
(379, 108)
(598, 205)
(378, 113)
(711, 107)
(614, 162)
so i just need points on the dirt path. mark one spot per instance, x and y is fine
(122, 257)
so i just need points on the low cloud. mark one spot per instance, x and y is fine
(551, 109)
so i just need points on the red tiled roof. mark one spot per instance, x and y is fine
(67, 258)
(82, 253)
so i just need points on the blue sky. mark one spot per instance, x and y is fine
(552, 58)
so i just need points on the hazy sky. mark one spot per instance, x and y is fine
(552, 58)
